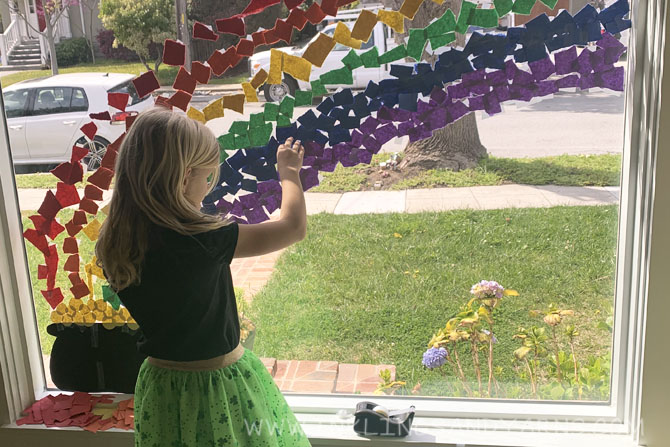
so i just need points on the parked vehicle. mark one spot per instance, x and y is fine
(44, 115)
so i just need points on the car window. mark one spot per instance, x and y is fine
(340, 47)
(79, 102)
(127, 87)
(15, 103)
(50, 100)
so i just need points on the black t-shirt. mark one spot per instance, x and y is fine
(185, 302)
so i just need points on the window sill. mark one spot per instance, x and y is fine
(331, 431)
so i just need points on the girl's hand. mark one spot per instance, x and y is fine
(289, 158)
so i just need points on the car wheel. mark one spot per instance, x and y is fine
(96, 150)
(276, 92)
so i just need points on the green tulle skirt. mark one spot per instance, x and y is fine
(239, 405)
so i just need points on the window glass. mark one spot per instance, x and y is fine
(340, 47)
(79, 101)
(127, 87)
(50, 100)
(15, 103)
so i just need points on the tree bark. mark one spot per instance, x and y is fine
(456, 146)
(52, 45)
(90, 32)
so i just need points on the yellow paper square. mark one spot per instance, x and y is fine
(249, 92)
(318, 50)
(439, 2)
(393, 19)
(409, 8)
(105, 209)
(342, 35)
(276, 58)
(92, 230)
(213, 110)
(234, 102)
(364, 25)
(196, 114)
(297, 67)
(259, 78)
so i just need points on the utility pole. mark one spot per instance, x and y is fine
(183, 33)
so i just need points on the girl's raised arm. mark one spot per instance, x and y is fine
(291, 227)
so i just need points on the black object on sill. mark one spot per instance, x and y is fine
(368, 422)
(94, 358)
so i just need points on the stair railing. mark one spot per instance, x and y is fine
(8, 40)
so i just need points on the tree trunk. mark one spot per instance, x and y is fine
(144, 61)
(90, 34)
(52, 45)
(456, 146)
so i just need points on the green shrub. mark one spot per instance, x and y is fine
(72, 52)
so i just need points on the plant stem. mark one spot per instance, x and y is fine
(532, 380)
(475, 358)
(460, 372)
(490, 357)
(574, 364)
(558, 362)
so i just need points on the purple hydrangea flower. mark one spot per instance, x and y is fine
(493, 337)
(487, 289)
(434, 357)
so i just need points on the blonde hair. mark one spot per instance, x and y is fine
(149, 189)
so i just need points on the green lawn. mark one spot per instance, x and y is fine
(166, 73)
(567, 170)
(353, 292)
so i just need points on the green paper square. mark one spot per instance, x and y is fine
(370, 58)
(303, 98)
(523, 7)
(485, 18)
(227, 141)
(239, 127)
(503, 6)
(256, 120)
(270, 111)
(464, 16)
(242, 141)
(286, 106)
(222, 155)
(318, 89)
(352, 60)
(283, 121)
(443, 25)
(416, 43)
(441, 41)
(339, 76)
(551, 4)
(395, 54)
(259, 136)
(111, 297)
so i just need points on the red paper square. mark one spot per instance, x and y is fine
(70, 245)
(163, 101)
(89, 206)
(270, 37)
(38, 240)
(54, 297)
(52, 229)
(109, 159)
(118, 100)
(219, 62)
(256, 6)
(258, 38)
(50, 206)
(130, 119)
(146, 83)
(89, 129)
(315, 14)
(93, 192)
(231, 25)
(74, 278)
(78, 153)
(72, 229)
(66, 195)
(116, 144)
(297, 19)
(79, 218)
(204, 32)
(174, 53)
(283, 30)
(72, 263)
(245, 47)
(290, 4)
(80, 290)
(42, 271)
(184, 81)
(180, 99)
(69, 173)
(329, 7)
(38, 222)
(103, 116)
(101, 178)
(200, 72)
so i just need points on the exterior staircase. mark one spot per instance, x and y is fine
(24, 56)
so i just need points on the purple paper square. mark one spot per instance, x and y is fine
(474, 77)
(510, 69)
(545, 88)
(491, 104)
(565, 60)
(238, 219)
(272, 203)
(357, 138)
(328, 166)
(479, 88)
(457, 91)
(384, 115)
(568, 81)
(439, 95)
(309, 160)
(587, 81)
(502, 92)
(309, 178)
(237, 208)
(364, 157)
(523, 78)
(269, 186)
(328, 154)
(584, 62)
(476, 103)
(351, 159)
(437, 119)
(521, 93)
(312, 148)
(371, 144)
(256, 215)
(249, 201)
(419, 133)
(223, 206)
(341, 150)
(612, 79)
(400, 115)
(496, 77)
(422, 107)
(404, 128)
(542, 69)
(598, 61)
(369, 125)
(457, 110)
(385, 133)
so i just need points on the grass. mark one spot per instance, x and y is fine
(166, 74)
(567, 170)
(352, 292)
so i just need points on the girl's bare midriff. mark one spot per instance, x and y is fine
(201, 365)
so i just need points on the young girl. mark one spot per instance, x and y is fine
(170, 265)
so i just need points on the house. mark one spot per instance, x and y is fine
(22, 47)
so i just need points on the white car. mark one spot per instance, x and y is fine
(44, 115)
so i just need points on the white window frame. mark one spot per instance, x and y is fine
(447, 421)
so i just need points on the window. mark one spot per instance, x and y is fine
(128, 87)
(340, 47)
(49, 100)
(15, 103)
(79, 101)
